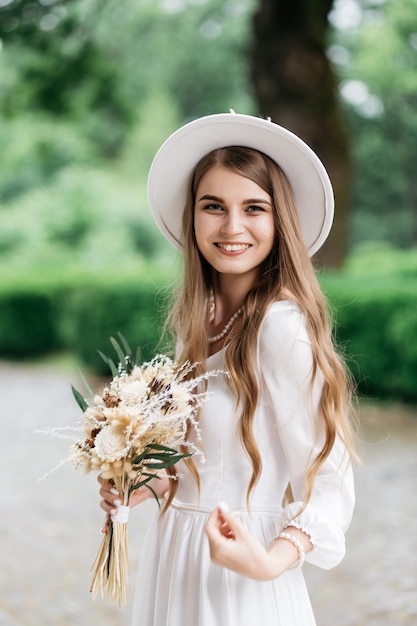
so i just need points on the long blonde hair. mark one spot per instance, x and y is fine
(288, 267)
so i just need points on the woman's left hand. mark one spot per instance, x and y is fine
(232, 546)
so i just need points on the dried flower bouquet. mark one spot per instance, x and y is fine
(136, 428)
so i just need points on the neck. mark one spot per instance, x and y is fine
(229, 293)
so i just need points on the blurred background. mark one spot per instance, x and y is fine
(88, 91)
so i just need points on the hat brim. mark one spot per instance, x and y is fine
(172, 167)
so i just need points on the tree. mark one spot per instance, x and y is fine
(295, 85)
(57, 67)
(96, 62)
(88, 91)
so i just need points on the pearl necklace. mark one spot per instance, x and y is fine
(226, 329)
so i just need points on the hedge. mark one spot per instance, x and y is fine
(27, 325)
(45, 313)
(376, 327)
(91, 315)
(376, 322)
(27, 317)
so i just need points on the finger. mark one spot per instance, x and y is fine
(106, 525)
(213, 523)
(218, 527)
(107, 484)
(104, 481)
(108, 507)
(225, 528)
(108, 487)
(231, 524)
(109, 499)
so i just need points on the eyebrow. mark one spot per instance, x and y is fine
(221, 201)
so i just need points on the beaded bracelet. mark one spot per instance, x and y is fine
(298, 545)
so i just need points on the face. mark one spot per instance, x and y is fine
(234, 223)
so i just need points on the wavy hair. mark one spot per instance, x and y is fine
(288, 267)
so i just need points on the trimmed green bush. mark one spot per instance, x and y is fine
(27, 326)
(376, 326)
(93, 314)
(27, 316)
(376, 320)
(45, 312)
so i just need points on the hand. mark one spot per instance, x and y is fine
(232, 546)
(111, 499)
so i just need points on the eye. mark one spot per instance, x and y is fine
(213, 207)
(255, 209)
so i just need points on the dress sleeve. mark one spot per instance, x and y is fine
(285, 361)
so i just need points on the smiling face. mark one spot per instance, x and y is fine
(233, 223)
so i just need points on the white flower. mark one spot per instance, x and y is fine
(110, 445)
(133, 392)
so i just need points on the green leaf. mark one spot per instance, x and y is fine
(119, 351)
(161, 456)
(141, 483)
(125, 357)
(110, 363)
(87, 386)
(153, 475)
(159, 446)
(166, 454)
(153, 456)
(81, 401)
(139, 459)
(154, 494)
(126, 346)
(159, 465)
(144, 483)
(169, 463)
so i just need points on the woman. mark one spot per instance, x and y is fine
(248, 203)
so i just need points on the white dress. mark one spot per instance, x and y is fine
(178, 585)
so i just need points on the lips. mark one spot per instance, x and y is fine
(233, 247)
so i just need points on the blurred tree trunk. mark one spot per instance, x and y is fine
(295, 85)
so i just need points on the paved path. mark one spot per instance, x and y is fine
(49, 529)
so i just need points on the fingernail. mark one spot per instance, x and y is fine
(103, 530)
(113, 511)
(114, 491)
(224, 508)
(117, 502)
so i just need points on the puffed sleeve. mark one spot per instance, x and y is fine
(285, 363)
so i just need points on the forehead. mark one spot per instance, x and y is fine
(228, 181)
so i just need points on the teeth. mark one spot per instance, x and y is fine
(235, 247)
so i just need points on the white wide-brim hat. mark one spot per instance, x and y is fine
(170, 174)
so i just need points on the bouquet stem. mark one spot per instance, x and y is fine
(111, 564)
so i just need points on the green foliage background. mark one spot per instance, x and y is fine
(375, 56)
(88, 91)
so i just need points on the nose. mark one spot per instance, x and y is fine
(232, 224)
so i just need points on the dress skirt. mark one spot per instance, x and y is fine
(178, 585)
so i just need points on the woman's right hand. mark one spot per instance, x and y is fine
(111, 499)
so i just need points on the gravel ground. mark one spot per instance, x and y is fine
(50, 528)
